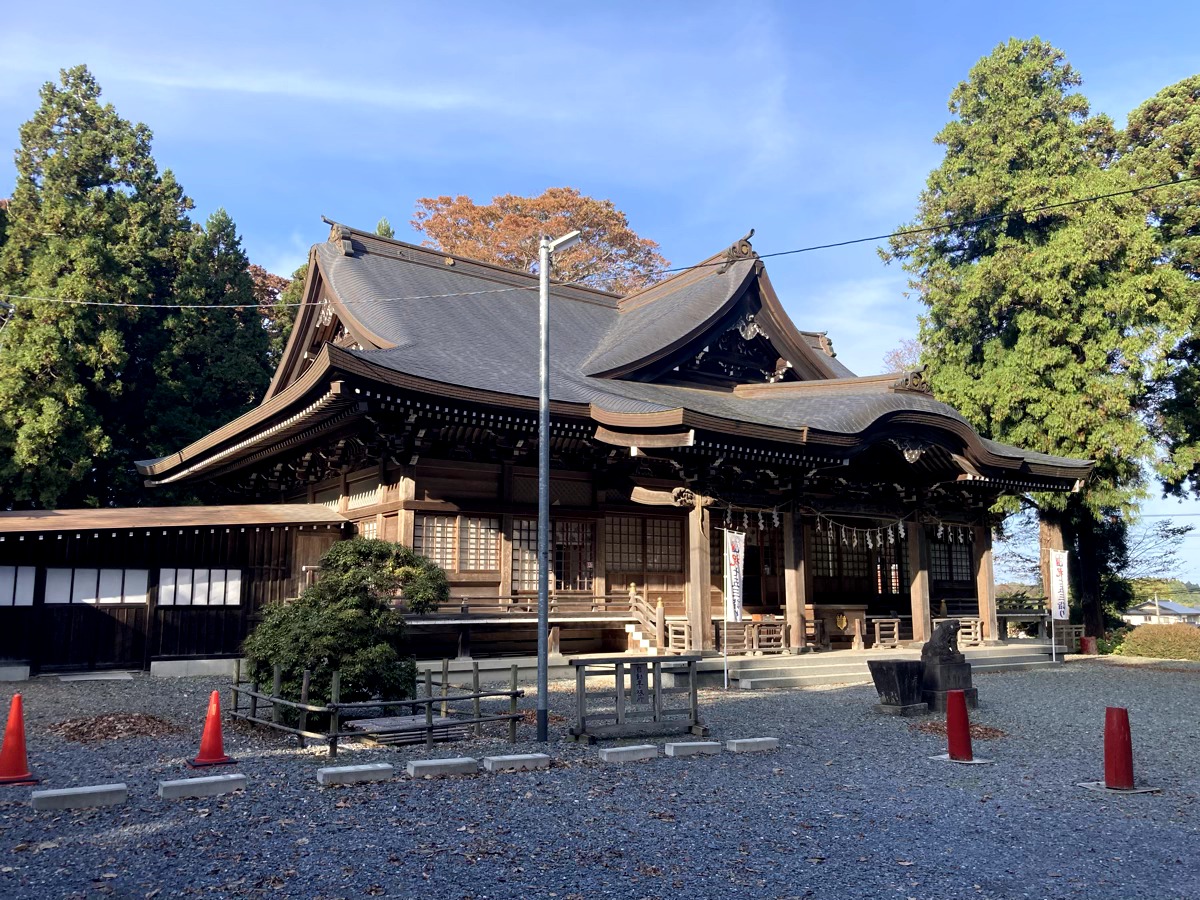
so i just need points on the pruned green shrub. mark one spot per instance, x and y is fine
(347, 622)
(1112, 641)
(1162, 642)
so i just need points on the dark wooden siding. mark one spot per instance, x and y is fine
(132, 635)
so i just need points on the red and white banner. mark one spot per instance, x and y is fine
(735, 563)
(1059, 607)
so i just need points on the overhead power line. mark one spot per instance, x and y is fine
(949, 226)
(928, 229)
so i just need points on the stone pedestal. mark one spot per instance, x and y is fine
(944, 668)
(939, 678)
(900, 686)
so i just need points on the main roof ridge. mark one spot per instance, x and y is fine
(376, 244)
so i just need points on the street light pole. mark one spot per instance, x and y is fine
(545, 250)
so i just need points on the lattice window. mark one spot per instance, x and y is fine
(892, 575)
(623, 545)
(574, 555)
(368, 528)
(524, 555)
(950, 561)
(433, 537)
(825, 556)
(478, 544)
(664, 545)
(856, 562)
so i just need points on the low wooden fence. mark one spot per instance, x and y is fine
(251, 704)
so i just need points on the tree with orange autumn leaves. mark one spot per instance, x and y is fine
(506, 232)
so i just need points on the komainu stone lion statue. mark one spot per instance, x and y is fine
(943, 646)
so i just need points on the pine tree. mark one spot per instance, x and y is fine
(1045, 329)
(212, 364)
(91, 220)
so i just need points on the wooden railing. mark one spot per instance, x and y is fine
(752, 637)
(270, 709)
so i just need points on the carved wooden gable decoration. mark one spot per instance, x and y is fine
(741, 354)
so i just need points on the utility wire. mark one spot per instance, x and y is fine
(949, 226)
(245, 306)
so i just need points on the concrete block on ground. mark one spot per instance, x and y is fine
(752, 745)
(628, 754)
(517, 762)
(694, 748)
(210, 786)
(14, 672)
(354, 774)
(459, 765)
(81, 797)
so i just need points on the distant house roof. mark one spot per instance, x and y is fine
(1166, 606)
(419, 321)
(169, 517)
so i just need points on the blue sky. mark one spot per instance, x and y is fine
(808, 122)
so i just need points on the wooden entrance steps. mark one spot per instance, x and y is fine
(639, 642)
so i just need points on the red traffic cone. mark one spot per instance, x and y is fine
(1118, 756)
(212, 747)
(14, 765)
(958, 727)
(958, 731)
(1118, 750)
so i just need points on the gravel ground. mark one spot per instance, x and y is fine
(849, 807)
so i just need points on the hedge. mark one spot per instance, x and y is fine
(1162, 642)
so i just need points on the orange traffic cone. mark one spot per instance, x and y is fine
(14, 765)
(212, 746)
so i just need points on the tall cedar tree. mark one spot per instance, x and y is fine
(90, 219)
(1046, 329)
(1162, 143)
(213, 364)
(283, 313)
(507, 231)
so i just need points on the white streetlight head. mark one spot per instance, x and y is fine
(568, 240)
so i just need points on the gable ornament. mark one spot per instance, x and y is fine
(916, 380)
(740, 250)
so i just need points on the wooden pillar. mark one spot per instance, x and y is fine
(600, 574)
(698, 597)
(985, 582)
(406, 490)
(795, 587)
(919, 585)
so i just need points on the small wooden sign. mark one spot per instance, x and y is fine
(640, 682)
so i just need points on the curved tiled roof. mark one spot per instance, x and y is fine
(469, 326)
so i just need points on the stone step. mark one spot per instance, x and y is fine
(848, 670)
(784, 681)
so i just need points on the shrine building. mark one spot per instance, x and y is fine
(406, 404)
